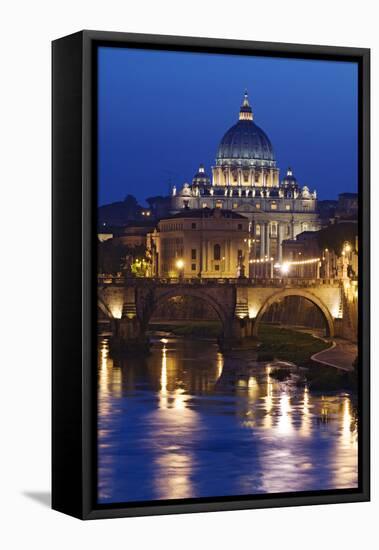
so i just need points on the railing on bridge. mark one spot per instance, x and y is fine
(104, 280)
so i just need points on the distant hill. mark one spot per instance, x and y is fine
(121, 212)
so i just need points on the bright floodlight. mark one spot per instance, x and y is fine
(285, 269)
(179, 264)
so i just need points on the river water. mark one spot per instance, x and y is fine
(181, 424)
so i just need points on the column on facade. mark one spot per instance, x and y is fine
(267, 252)
(318, 265)
(228, 255)
(292, 229)
(205, 257)
(280, 240)
(263, 237)
(217, 176)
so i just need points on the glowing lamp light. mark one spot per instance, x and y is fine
(116, 310)
(179, 264)
(253, 312)
(285, 268)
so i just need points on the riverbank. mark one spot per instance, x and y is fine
(291, 353)
(341, 355)
(288, 345)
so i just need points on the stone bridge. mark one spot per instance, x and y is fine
(239, 303)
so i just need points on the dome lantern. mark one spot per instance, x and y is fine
(246, 112)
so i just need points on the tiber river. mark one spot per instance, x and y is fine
(176, 424)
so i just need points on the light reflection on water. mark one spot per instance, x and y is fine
(182, 424)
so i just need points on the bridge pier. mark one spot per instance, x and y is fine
(242, 328)
(235, 330)
(128, 338)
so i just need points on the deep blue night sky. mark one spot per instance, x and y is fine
(162, 113)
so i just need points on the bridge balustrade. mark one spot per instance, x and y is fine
(206, 281)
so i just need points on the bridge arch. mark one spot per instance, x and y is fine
(222, 311)
(329, 322)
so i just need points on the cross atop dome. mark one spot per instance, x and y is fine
(246, 112)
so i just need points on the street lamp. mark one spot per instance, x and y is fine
(180, 267)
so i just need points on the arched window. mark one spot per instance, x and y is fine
(217, 252)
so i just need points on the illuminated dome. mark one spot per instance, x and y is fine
(245, 142)
(201, 178)
(289, 179)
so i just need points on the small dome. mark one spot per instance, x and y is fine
(289, 178)
(245, 141)
(201, 178)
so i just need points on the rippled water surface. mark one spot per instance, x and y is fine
(180, 424)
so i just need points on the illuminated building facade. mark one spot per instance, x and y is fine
(200, 243)
(245, 180)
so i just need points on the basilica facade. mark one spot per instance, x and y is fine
(246, 180)
(201, 243)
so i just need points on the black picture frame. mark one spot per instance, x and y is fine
(74, 207)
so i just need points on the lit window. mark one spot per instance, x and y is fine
(257, 229)
(274, 206)
(274, 229)
(204, 204)
(235, 205)
(257, 205)
(288, 207)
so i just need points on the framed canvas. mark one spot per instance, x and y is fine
(210, 275)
